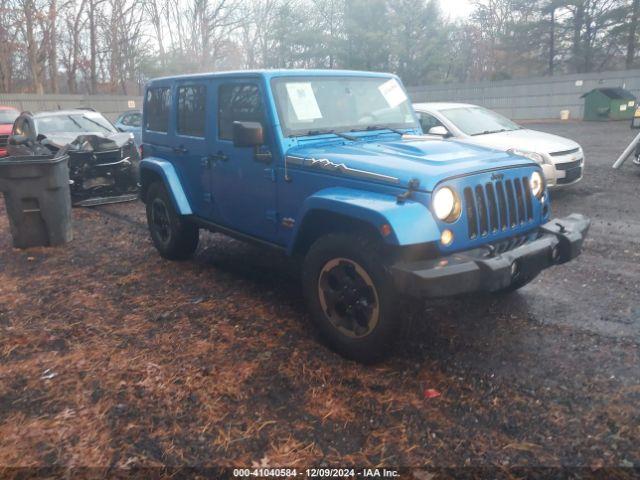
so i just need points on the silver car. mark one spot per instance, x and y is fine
(562, 159)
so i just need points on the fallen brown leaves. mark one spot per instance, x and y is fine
(111, 356)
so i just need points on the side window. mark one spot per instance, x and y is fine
(157, 105)
(238, 102)
(134, 120)
(428, 122)
(192, 101)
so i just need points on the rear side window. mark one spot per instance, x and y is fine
(191, 110)
(157, 106)
(238, 102)
(132, 120)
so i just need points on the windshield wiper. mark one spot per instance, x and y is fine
(99, 124)
(379, 127)
(332, 132)
(487, 132)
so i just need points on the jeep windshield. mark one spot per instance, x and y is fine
(80, 122)
(313, 105)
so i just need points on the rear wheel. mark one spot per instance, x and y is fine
(173, 236)
(350, 295)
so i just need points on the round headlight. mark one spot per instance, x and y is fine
(537, 184)
(446, 205)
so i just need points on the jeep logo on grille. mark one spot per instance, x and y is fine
(497, 176)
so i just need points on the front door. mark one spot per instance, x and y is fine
(243, 178)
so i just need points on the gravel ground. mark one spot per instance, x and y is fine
(111, 357)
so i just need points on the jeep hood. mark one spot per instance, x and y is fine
(427, 160)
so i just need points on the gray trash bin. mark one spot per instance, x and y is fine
(36, 195)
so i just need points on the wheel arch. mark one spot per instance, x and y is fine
(355, 211)
(154, 170)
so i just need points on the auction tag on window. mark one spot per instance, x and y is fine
(392, 93)
(631, 103)
(303, 100)
(131, 104)
(623, 107)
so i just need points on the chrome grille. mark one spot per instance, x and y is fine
(497, 206)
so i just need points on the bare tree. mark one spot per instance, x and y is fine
(633, 32)
(75, 21)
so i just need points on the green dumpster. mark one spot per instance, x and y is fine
(37, 199)
(608, 103)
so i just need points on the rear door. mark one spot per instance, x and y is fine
(243, 183)
(190, 148)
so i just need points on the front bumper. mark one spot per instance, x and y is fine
(559, 241)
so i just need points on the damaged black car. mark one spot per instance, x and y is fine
(103, 162)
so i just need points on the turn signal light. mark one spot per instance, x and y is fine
(446, 238)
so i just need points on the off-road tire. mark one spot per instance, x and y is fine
(177, 239)
(368, 255)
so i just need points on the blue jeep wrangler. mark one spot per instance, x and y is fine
(332, 167)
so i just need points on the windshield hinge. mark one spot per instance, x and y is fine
(413, 185)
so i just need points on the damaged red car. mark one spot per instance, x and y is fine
(8, 115)
(103, 162)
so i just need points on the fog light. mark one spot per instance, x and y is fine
(555, 254)
(447, 237)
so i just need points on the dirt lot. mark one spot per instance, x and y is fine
(113, 357)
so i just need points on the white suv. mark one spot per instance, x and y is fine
(562, 160)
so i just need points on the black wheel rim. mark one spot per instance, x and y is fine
(348, 297)
(160, 220)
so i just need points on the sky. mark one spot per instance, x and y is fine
(456, 8)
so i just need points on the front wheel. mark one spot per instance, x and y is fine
(173, 236)
(350, 296)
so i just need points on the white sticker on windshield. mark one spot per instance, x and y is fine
(392, 93)
(303, 100)
(623, 107)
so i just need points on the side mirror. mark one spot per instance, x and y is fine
(439, 130)
(247, 134)
(18, 140)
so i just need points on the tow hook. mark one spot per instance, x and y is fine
(412, 186)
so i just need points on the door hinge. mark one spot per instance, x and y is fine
(272, 216)
(270, 173)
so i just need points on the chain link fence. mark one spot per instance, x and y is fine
(541, 98)
(109, 105)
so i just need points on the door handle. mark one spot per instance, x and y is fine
(180, 149)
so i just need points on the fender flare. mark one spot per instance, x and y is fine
(167, 172)
(411, 222)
